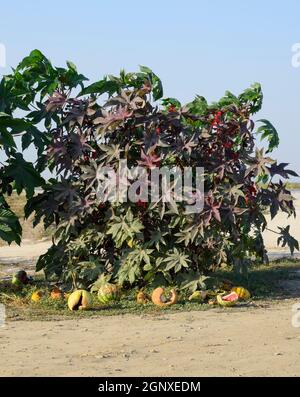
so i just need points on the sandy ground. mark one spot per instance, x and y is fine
(230, 342)
(29, 250)
(282, 220)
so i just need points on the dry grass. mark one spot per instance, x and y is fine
(293, 186)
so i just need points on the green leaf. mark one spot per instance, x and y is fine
(10, 228)
(192, 281)
(176, 260)
(252, 97)
(269, 132)
(198, 106)
(286, 239)
(6, 139)
(123, 228)
(71, 65)
(33, 58)
(228, 99)
(157, 88)
(11, 126)
(101, 87)
(24, 175)
(171, 102)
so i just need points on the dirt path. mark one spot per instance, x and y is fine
(14, 257)
(232, 342)
(27, 251)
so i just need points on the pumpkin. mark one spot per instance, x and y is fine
(36, 296)
(142, 298)
(108, 293)
(242, 292)
(159, 297)
(56, 294)
(80, 300)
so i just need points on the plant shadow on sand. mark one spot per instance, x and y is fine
(278, 280)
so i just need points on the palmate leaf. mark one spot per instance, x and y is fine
(53, 260)
(259, 164)
(70, 77)
(24, 175)
(269, 132)
(187, 235)
(89, 270)
(252, 97)
(157, 88)
(192, 281)
(44, 206)
(228, 99)
(101, 87)
(37, 69)
(176, 260)
(286, 239)
(132, 264)
(110, 152)
(130, 270)
(166, 102)
(35, 58)
(9, 127)
(198, 106)
(277, 197)
(123, 228)
(157, 239)
(280, 169)
(10, 228)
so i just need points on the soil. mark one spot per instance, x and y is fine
(252, 341)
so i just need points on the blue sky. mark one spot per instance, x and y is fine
(196, 47)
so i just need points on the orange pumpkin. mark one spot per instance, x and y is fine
(36, 296)
(142, 298)
(56, 294)
(159, 297)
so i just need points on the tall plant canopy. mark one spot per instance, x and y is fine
(78, 128)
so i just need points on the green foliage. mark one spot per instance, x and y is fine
(268, 131)
(124, 227)
(10, 228)
(116, 118)
(24, 91)
(286, 239)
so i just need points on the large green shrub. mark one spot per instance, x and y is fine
(88, 127)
